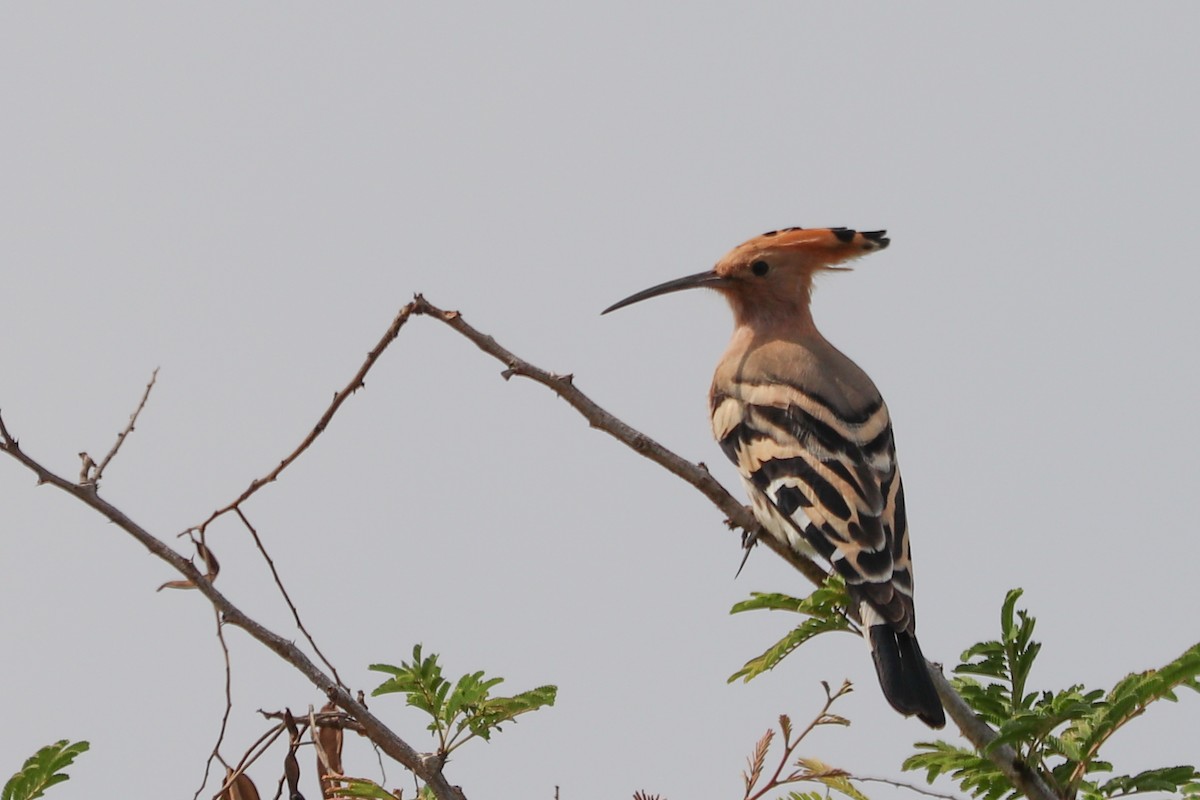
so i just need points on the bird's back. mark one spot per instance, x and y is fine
(812, 439)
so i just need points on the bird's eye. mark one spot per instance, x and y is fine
(760, 268)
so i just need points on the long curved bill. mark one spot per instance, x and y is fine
(708, 279)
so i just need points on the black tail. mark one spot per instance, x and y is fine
(904, 676)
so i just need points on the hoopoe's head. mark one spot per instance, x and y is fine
(771, 275)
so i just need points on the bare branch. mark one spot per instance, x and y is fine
(286, 597)
(425, 766)
(93, 477)
(326, 719)
(355, 384)
(912, 787)
(739, 516)
(253, 753)
(216, 751)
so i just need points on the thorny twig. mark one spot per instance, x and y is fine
(353, 386)
(216, 750)
(339, 398)
(286, 597)
(739, 516)
(912, 787)
(252, 754)
(326, 719)
(91, 476)
(426, 766)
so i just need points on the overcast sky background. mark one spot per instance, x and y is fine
(245, 194)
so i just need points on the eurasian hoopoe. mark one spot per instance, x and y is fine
(812, 439)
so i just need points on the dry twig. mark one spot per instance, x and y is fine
(216, 750)
(287, 598)
(912, 787)
(355, 384)
(252, 754)
(739, 516)
(426, 766)
(92, 472)
(790, 743)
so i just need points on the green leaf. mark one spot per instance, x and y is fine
(462, 710)
(494, 711)
(974, 773)
(828, 599)
(1056, 733)
(1048, 714)
(990, 663)
(1129, 698)
(420, 681)
(1163, 779)
(42, 770)
(990, 701)
(825, 609)
(1009, 660)
(361, 787)
(833, 778)
(777, 652)
(469, 693)
(768, 601)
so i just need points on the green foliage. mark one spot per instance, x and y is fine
(1058, 734)
(41, 770)
(370, 790)
(835, 780)
(462, 710)
(363, 788)
(974, 773)
(825, 609)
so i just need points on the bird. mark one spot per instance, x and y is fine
(812, 439)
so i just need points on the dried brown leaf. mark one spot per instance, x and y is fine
(240, 788)
(817, 769)
(785, 725)
(757, 760)
(176, 585)
(289, 722)
(291, 767)
(212, 568)
(328, 743)
(832, 719)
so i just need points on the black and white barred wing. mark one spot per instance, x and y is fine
(826, 483)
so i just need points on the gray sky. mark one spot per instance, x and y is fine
(244, 195)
